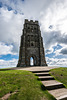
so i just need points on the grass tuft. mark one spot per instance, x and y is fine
(60, 74)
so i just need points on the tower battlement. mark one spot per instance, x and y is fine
(31, 21)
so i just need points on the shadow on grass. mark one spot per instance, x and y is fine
(7, 69)
(43, 87)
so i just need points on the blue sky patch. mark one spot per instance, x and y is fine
(51, 55)
(51, 26)
(22, 0)
(8, 57)
(1, 4)
(15, 12)
(8, 7)
(57, 47)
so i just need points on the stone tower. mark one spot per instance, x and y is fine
(31, 45)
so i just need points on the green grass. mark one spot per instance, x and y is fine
(26, 83)
(60, 74)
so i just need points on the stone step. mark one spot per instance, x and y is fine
(40, 71)
(59, 94)
(54, 87)
(42, 78)
(52, 84)
(43, 74)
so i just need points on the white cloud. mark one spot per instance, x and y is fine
(10, 63)
(10, 27)
(55, 16)
(6, 49)
(62, 62)
(62, 51)
(50, 50)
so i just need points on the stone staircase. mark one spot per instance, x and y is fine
(54, 87)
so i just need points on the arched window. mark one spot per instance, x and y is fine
(28, 28)
(31, 61)
(34, 28)
(32, 44)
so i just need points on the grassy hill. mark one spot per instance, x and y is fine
(22, 85)
(60, 74)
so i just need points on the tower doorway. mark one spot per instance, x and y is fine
(31, 61)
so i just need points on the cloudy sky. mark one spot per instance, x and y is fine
(52, 17)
